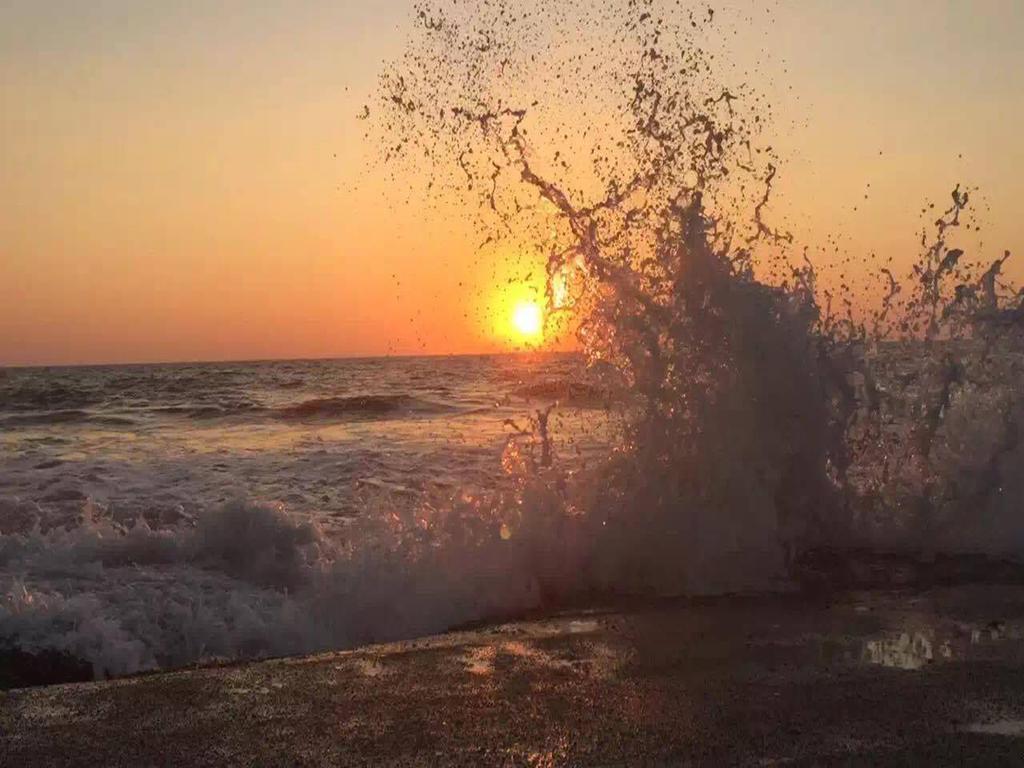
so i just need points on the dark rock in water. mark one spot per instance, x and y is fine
(22, 669)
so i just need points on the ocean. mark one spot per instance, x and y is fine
(167, 442)
(153, 515)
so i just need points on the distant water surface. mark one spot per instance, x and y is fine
(165, 441)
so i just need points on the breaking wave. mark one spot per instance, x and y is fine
(758, 428)
(245, 581)
(764, 419)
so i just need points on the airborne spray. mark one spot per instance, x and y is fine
(758, 426)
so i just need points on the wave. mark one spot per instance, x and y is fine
(360, 407)
(765, 418)
(355, 407)
(65, 417)
(38, 395)
(219, 410)
(245, 581)
(569, 393)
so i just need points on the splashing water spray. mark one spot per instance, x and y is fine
(758, 426)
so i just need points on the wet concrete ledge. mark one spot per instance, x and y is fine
(883, 678)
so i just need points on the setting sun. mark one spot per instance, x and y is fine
(528, 319)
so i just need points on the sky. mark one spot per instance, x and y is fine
(189, 181)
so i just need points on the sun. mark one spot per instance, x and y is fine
(528, 319)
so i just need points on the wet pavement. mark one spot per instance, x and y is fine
(933, 678)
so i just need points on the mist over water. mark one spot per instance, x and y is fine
(734, 413)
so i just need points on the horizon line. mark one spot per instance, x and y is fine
(255, 360)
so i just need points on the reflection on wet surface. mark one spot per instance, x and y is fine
(588, 625)
(480, 661)
(907, 651)
(998, 728)
(913, 649)
(588, 657)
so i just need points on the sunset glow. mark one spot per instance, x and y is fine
(528, 320)
(241, 221)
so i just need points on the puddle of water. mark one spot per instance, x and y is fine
(915, 649)
(998, 728)
(907, 651)
(554, 628)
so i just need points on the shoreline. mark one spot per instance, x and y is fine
(818, 577)
(932, 674)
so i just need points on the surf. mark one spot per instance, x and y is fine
(763, 436)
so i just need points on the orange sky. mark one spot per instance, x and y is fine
(182, 184)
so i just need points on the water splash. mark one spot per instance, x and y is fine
(761, 425)
(756, 425)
